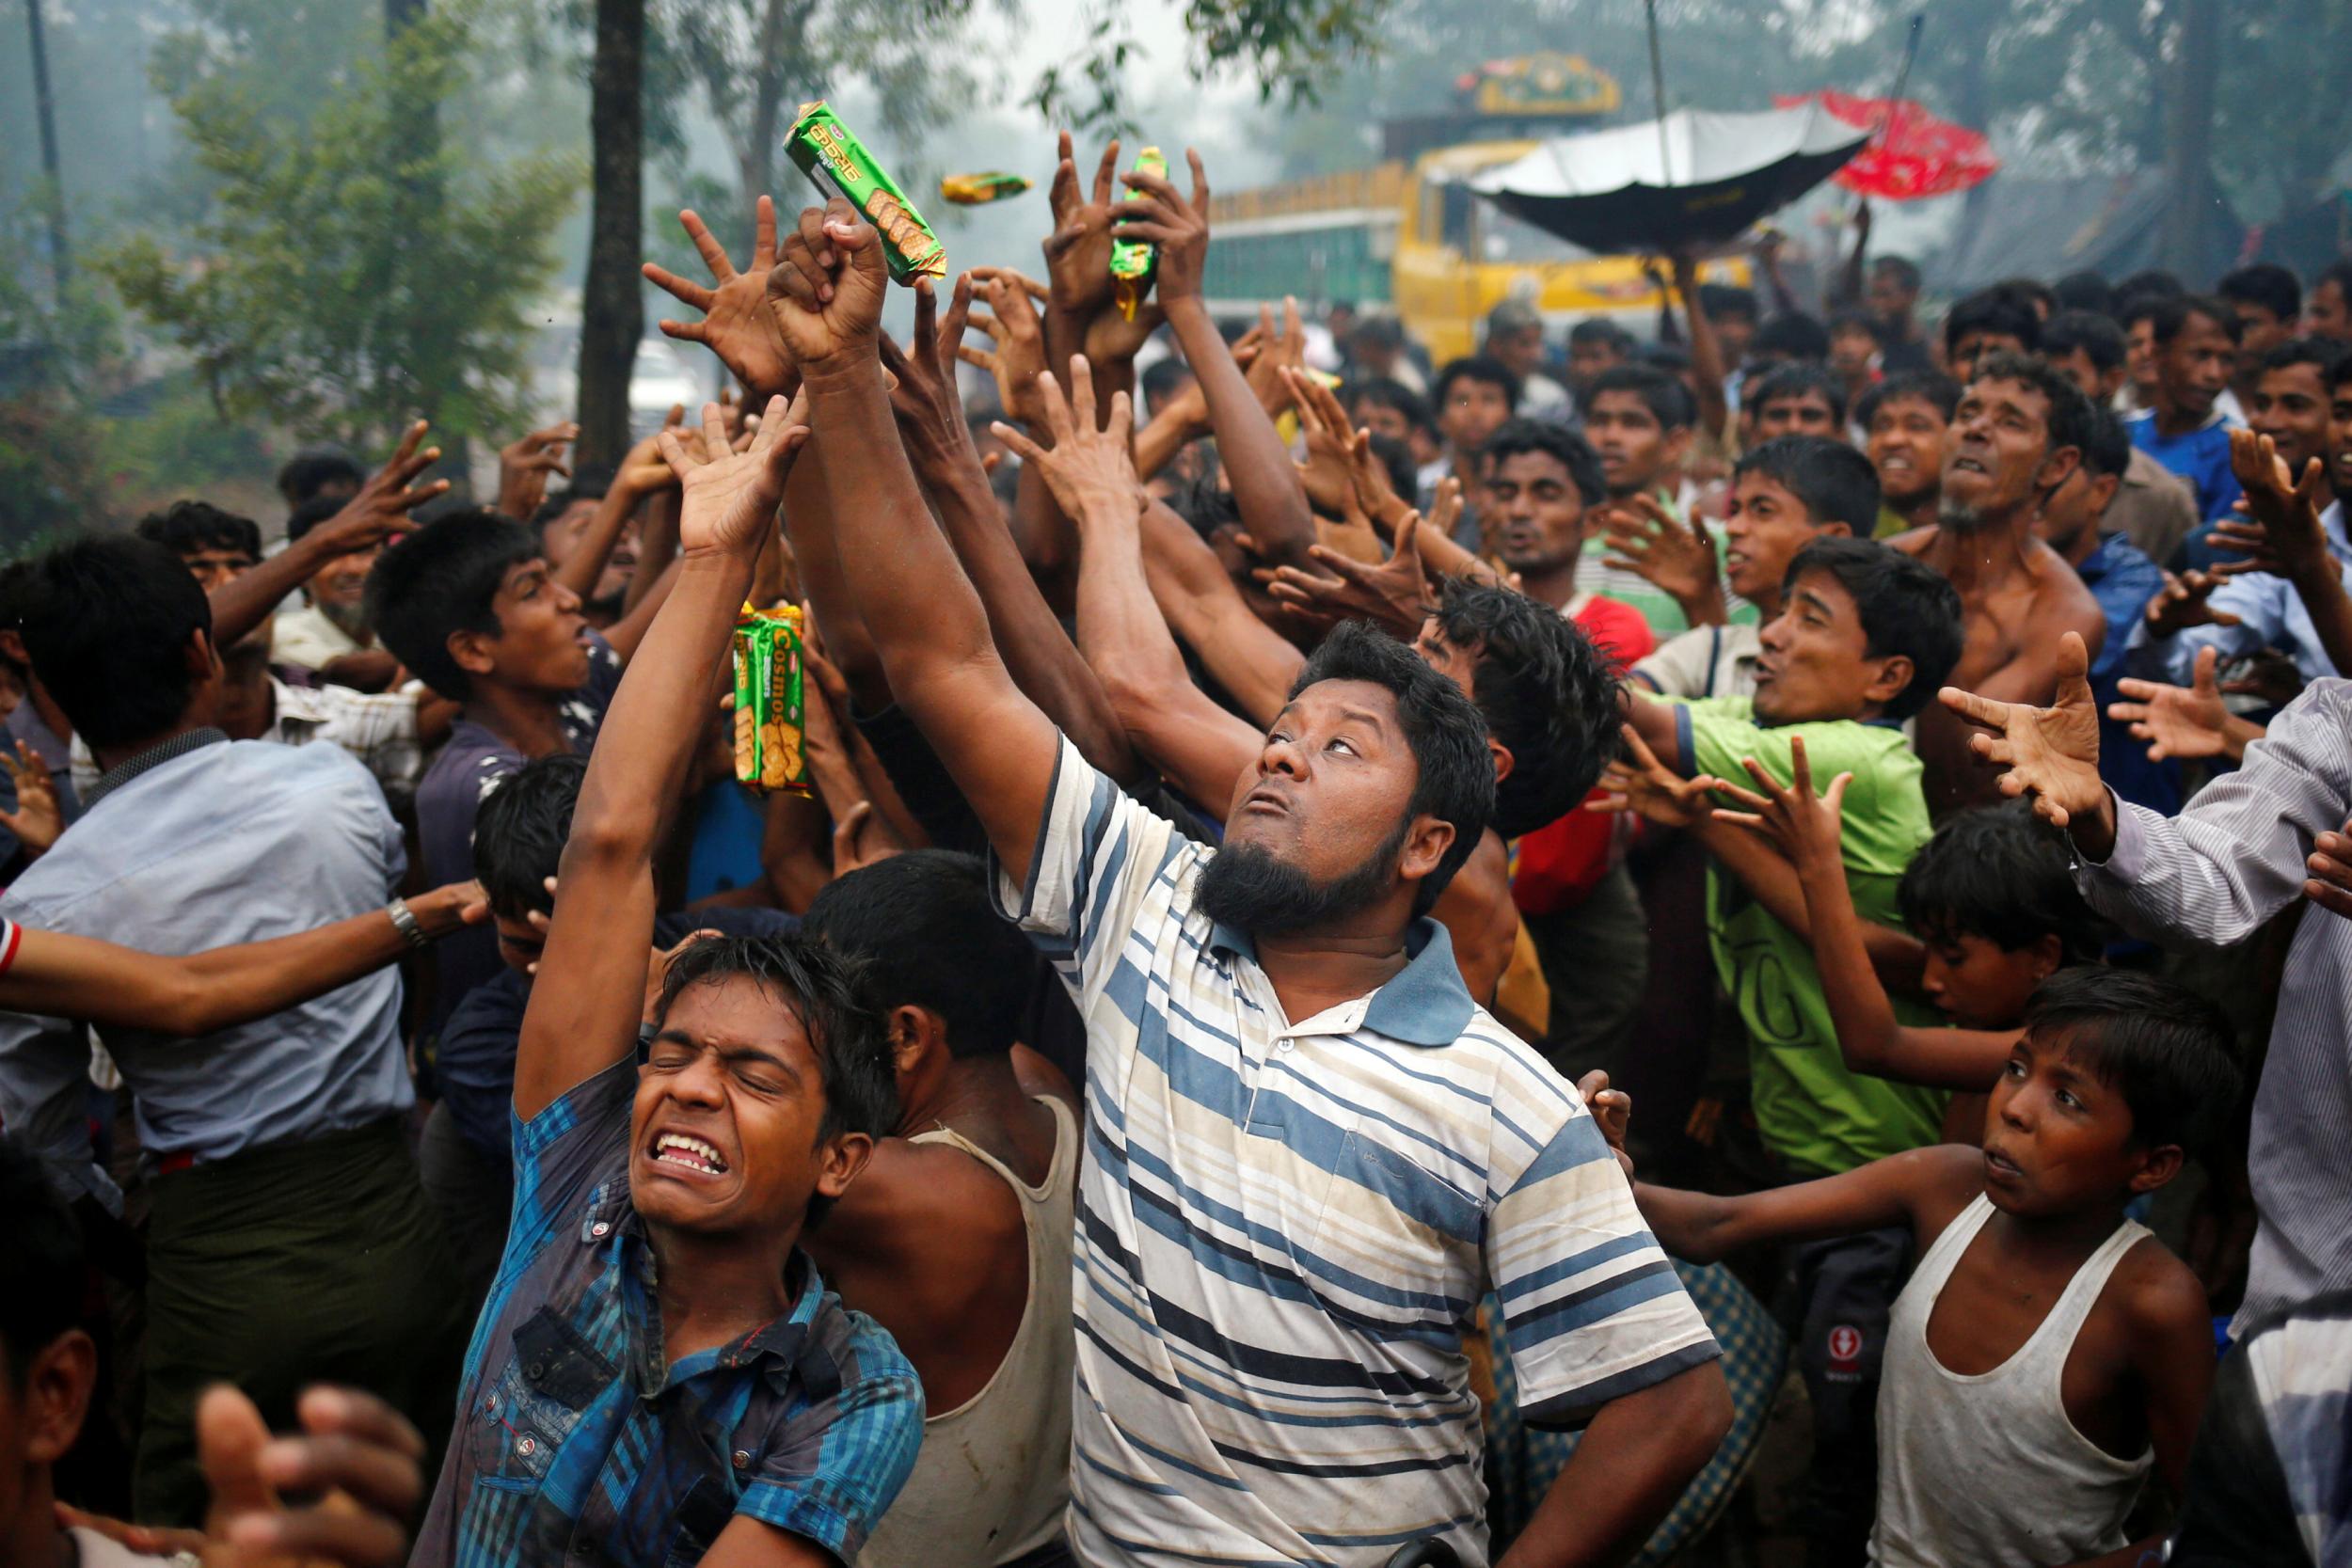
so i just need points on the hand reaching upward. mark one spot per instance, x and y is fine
(731, 497)
(1078, 252)
(736, 325)
(825, 291)
(2051, 753)
(1155, 211)
(1092, 472)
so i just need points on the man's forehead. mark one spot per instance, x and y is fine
(1621, 403)
(1527, 467)
(1339, 698)
(2007, 391)
(2301, 379)
(1822, 589)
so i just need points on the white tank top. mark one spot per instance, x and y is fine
(992, 1479)
(1988, 1468)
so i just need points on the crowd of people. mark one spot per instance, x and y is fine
(1165, 1092)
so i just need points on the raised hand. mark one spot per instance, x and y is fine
(1092, 472)
(1807, 826)
(1281, 357)
(736, 324)
(825, 292)
(1639, 783)
(2181, 603)
(928, 408)
(2176, 721)
(2051, 753)
(2288, 538)
(380, 508)
(1328, 470)
(1677, 557)
(37, 820)
(1392, 596)
(1078, 252)
(1157, 213)
(524, 464)
(731, 497)
(1013, 326)
(2329, 885)
(358, 1456)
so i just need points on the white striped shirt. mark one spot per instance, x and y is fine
(1283, 1231)
(2233, 858)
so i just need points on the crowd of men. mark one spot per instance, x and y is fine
(1165, 1092)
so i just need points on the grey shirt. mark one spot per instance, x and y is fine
(2233, 858)
(200, 843)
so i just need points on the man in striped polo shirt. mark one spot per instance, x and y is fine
(1283, 1226)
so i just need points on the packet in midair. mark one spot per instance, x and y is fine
(972, 190)
(1134, 261)
(769, 701)
(834, 158)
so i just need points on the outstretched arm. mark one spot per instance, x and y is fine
(927, 625)
(1252, 661)
(584, 1010)
(1701, 1227)
(1706, 350)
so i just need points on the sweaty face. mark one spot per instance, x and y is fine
(1974, 347)
(1325, 801)
(2000, 441)
(2057, 1137)
(1634, 446)
(1532, 515)
(722, 1136)
(2194, 367)
(1815, 665)
(1587, 360)
(1906, 445)
(2290, 406)
(1977, 983)
(1473, 411)
(539, 645)
(213, 564)
(2328, 313)
(1805, 413)
(1768, 526)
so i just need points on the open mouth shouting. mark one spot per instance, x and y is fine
(684, 1152)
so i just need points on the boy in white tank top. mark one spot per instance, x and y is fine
(2048, 1350)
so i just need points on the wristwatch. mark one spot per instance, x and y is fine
(405, 922)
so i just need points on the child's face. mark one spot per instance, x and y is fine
(1473, 411)
(2057, 1138)
(1636, 449)
(1980, 985)
(1906, 445)
(1768, 526)
(539, 646)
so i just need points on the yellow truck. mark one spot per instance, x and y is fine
(1407, 234)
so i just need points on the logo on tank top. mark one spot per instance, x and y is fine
(1845, 1351)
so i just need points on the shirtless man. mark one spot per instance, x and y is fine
(2018, 436)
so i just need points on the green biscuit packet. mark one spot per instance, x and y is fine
(1135, 260)
(769, 701)
(834, 158)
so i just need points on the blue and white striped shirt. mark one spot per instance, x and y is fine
(1283, 1231)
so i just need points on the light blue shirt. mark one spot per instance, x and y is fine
(226, 841)
(2271, 614)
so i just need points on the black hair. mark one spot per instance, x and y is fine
(1556, 441)
(1668, 399)
(1998, 872)
(1446, 732)
(1397, 458)
(440, 580)
(2069, 421)
(2171, 315)
(186, 526)
(1203, 504)
(1793, 380)
(1858, 321)
(924, 934)
(1386, 331)
(2033, 293)
(1600, 330)
(2097, 336)
(2265, 284)
(1993, 312)
(1718, 301)
(1384, 392)
(1480, 368)
(107, 623)
(1547, 694)
(1160, 381)
(1905, 606)
(2342, 374)
(2324, 354)
(2164, 1048)
(2340, 274)
(519, 832)
(2085, 291)
(2152, 283)
(2108, 451)
(824, 990)
(1903, 269)
(1835, 481)
(1934, 388)
(310, 515)
(1671, 357)
(313, 468)
(41, 1268)
(16, 585)
(1791, 335)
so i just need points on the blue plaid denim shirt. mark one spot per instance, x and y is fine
(575, 1440)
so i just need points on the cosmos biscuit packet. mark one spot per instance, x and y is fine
(1134, 261)
(769, 701)
(837, 162)
(972, 190)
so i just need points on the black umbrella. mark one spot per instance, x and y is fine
(1692, 179)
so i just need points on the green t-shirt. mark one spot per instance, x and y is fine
(1815, 1114)
(1658, 606)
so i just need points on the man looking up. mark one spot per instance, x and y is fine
(289, 1239)
(1243, 1003)
(1907, 423)
(660, 1374)
(2018, 436)
(2195, 346)
(2152, 507)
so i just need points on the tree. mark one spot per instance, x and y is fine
(347, 281)
(612, 309)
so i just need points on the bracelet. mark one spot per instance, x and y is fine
(405, 922)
